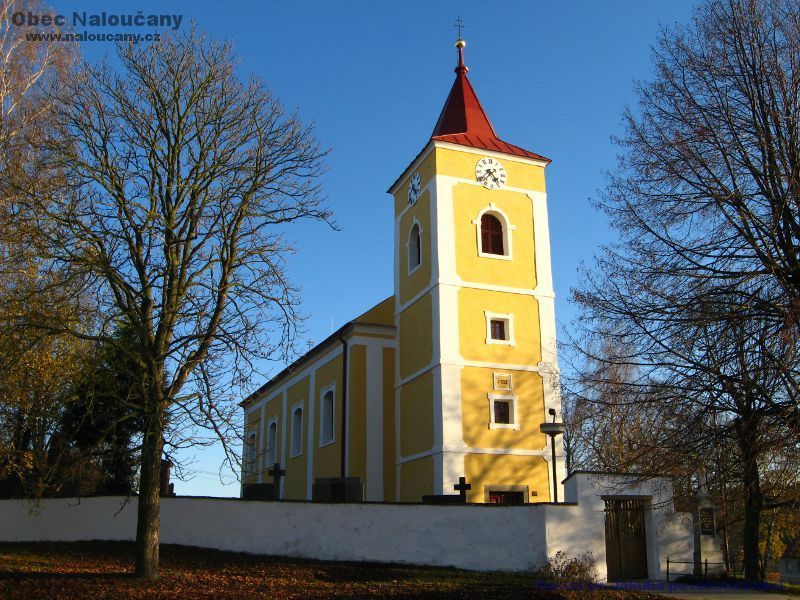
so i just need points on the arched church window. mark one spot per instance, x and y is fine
(491, 235)
(250, 452)
(297, 431)
(414, 248)
(272, 443)
(326, 416)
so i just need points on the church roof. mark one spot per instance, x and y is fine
(463, 120)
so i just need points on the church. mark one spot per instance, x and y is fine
(455, 373)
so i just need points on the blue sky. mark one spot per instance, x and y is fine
(554, 78)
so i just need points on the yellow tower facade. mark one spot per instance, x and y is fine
(476, 366)
(453, 375)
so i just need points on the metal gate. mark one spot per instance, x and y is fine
(626, 546)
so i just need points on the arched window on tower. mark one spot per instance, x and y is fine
(414, 248)
(492, 235)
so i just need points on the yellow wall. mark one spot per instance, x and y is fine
(410, 285)
(295, 482)
(462, 164)
(476, 384)
(382, 313)
(328, 459)
(426, 171)
(416, 336)
(472, 305)
(357, 412)
(483, 470)
(416, 415)
(416, 479)
(389, 477)
(520, 272)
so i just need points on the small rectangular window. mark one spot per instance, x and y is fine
(502, 412)
(498, 329)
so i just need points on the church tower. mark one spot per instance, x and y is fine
(476, 370)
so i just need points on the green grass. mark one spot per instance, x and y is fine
(88, 570)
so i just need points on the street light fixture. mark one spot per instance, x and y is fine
(553, 429)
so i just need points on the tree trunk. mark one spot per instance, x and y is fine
(753, 496)
(149, 521)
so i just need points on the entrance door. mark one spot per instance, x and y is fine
(506, 497)
(626, 546)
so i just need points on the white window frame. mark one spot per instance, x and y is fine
(295, 407)
(250, 451)
(508, 230)
(512, 399)
(413, 270)
(270, 423)
(509, 319)
(329, 388)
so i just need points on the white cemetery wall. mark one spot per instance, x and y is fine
(467, 537)
(507, 538)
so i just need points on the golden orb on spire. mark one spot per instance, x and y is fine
(460, 43)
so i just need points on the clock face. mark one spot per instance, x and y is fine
(413, 189)
(490, 173)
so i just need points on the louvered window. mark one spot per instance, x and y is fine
(498, 329)
(491, 235)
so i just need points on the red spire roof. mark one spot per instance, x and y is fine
(463, 120)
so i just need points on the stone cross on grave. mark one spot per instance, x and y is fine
(276, 473)
(461, 487)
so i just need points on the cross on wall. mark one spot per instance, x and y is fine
(461, 487)
(276, 473)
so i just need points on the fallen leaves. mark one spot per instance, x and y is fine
(93, 570)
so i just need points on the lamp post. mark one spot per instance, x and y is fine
(553, 429)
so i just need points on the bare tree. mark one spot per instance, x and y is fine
(702, 291)
(180, 182)
(700, 374)
(711, 165)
